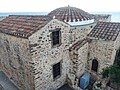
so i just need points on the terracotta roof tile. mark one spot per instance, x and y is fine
(78, 44)
(105, 30)
(70, 14)
(23, 25)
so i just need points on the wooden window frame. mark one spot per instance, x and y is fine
(55, 30)
(58, 76)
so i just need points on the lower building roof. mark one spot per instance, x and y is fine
(78, 44)
(100, 17)
(105, 31)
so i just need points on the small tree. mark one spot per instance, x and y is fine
(113, 72)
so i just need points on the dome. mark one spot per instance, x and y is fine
(70, 14)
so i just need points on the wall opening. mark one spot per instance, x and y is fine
(56, 70)
(56, 37)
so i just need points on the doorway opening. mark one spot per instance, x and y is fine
(94, 65)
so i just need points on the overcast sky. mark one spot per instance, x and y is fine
(48, 5)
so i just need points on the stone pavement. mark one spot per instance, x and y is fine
(5, 83)
(65, 87)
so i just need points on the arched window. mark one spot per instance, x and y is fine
(94, 65)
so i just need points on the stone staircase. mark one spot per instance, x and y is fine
(5, 83)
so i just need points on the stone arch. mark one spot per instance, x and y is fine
(94, 65)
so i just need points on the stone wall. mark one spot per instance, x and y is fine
(78, 64)
(82, 58)
(103, 52)
(80, 32)
(15, 61)
(45, 56)
(117, 43)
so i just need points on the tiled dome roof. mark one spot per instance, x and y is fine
(70, 14)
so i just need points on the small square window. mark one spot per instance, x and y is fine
(56, 70)
(56, 37)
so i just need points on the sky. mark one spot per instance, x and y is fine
(49, 5)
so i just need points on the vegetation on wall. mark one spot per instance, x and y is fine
(113, 71)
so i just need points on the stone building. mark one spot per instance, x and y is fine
(46, 52)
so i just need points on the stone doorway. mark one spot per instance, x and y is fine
(94, 65)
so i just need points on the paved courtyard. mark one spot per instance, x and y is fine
(65, 87)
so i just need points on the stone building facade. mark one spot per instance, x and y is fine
(15, 61)
(45, 52)
(44, 55)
